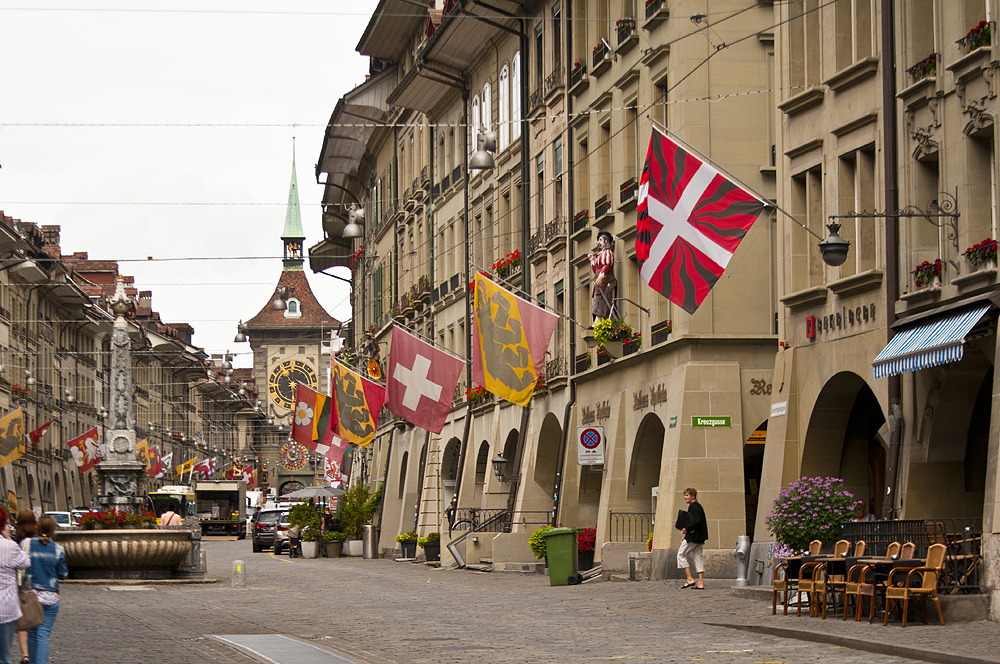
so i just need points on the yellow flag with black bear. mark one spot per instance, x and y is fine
(11, 437)
(509, 343)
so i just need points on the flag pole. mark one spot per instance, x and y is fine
(724, 172)
(430, 341)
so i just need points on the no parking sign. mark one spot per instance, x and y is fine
(590, 446)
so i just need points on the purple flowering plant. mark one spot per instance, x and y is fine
(810, 508)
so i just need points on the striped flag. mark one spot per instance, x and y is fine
(690, 221)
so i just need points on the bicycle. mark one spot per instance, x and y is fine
(471, 523)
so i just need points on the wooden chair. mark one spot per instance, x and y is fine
(859, 549)
(828, 585)
(865, 585)
(892, 550)
(784, 585)
(807, 580)
(908, 551)
(929, 574)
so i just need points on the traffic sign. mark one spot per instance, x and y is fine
(590, 446)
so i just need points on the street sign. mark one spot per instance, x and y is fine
(590, 446)
(711, 422)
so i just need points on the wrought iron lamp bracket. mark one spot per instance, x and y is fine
(943, 208)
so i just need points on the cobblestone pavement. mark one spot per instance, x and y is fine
(374, 611)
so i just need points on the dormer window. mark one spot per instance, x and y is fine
(294, 309)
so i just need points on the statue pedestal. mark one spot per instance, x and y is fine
(121, 486)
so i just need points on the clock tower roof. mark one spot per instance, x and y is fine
(308, 311)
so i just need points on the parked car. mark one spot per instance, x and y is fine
(63, 519)
(265, 526)
(76, 515)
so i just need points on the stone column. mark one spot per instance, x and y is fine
(120, 472)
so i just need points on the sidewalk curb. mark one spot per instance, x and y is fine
(858, 644)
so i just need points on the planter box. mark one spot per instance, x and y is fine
(409, 548)
(585, 560)
(614, 348)
(433, 551)
(310, 549)
(334, 548)
(354, 548)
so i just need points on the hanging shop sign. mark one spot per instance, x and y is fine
(590, 446)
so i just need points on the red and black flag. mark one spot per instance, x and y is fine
(691, 218)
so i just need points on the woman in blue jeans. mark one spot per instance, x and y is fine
(48, 565)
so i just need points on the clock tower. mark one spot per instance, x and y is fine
(288, 348)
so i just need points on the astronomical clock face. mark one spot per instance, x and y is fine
(281, 382)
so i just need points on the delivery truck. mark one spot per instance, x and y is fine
(221, 507)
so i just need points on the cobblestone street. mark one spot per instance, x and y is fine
(382, 611)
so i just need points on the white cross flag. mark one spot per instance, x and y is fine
(421, 381)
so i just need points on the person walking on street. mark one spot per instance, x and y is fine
(27, 527)
(695, 536)
(48, 565)
(12, 559)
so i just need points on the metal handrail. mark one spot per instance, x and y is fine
(453, 544)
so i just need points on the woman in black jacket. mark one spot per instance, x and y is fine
(695, 536)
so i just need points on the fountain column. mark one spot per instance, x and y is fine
(121, 471)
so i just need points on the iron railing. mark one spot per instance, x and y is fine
(630, 526)
(555, 229)
(554, 368)
(534, 100)
(962, 538)
(554, 80)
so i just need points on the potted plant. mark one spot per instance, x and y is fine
(537, 542)
(147, 520)
(611, 335)
(649, 542)
(928, 274)
(810, 508)
(310, 542)
(356, 508)
(334, 541)
(408, 543)
(586, 540)
(431, 546)
(983, 253)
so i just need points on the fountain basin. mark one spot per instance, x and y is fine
(126, 553)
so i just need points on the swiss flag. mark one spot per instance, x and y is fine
(421, 381)
(690, 220)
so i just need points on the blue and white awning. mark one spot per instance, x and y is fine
(928, 343)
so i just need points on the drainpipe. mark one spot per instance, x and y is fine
(571, 298)
(889, 132)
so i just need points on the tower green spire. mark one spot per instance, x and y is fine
(292, 235)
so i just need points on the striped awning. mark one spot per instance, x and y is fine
(928, 343)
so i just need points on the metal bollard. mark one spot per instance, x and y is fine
(742, 555)
(239, 574)
(368, 542)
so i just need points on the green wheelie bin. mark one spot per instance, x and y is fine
(560, 548)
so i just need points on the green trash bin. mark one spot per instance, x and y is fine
(560, 548)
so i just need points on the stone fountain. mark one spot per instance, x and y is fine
(153, 553)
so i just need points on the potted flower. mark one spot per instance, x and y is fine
(611, 335)
(810, 508)
(408, 543)
(586, 540)
(927, 274)
(310, 542)
(649, 542)
(536, 542)
(334, 542)
(147, 520)
(431, 546)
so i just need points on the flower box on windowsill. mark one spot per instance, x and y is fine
(656, 10)
(580, 221)
(628, 194)
(578, 80)
(628, 36)
(602, 210)
(601, 60)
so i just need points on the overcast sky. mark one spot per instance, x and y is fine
(121, 191)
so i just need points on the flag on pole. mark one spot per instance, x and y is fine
(36, 435)
(250, 477)
(11, 437)
(85, 450)
(509, 342)
(358, 404)
(206, 467)
(155, 467)
(185, 467)
(421, 381)
(142, 452)
(691, 219)
(312, 416)
(165, 463)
